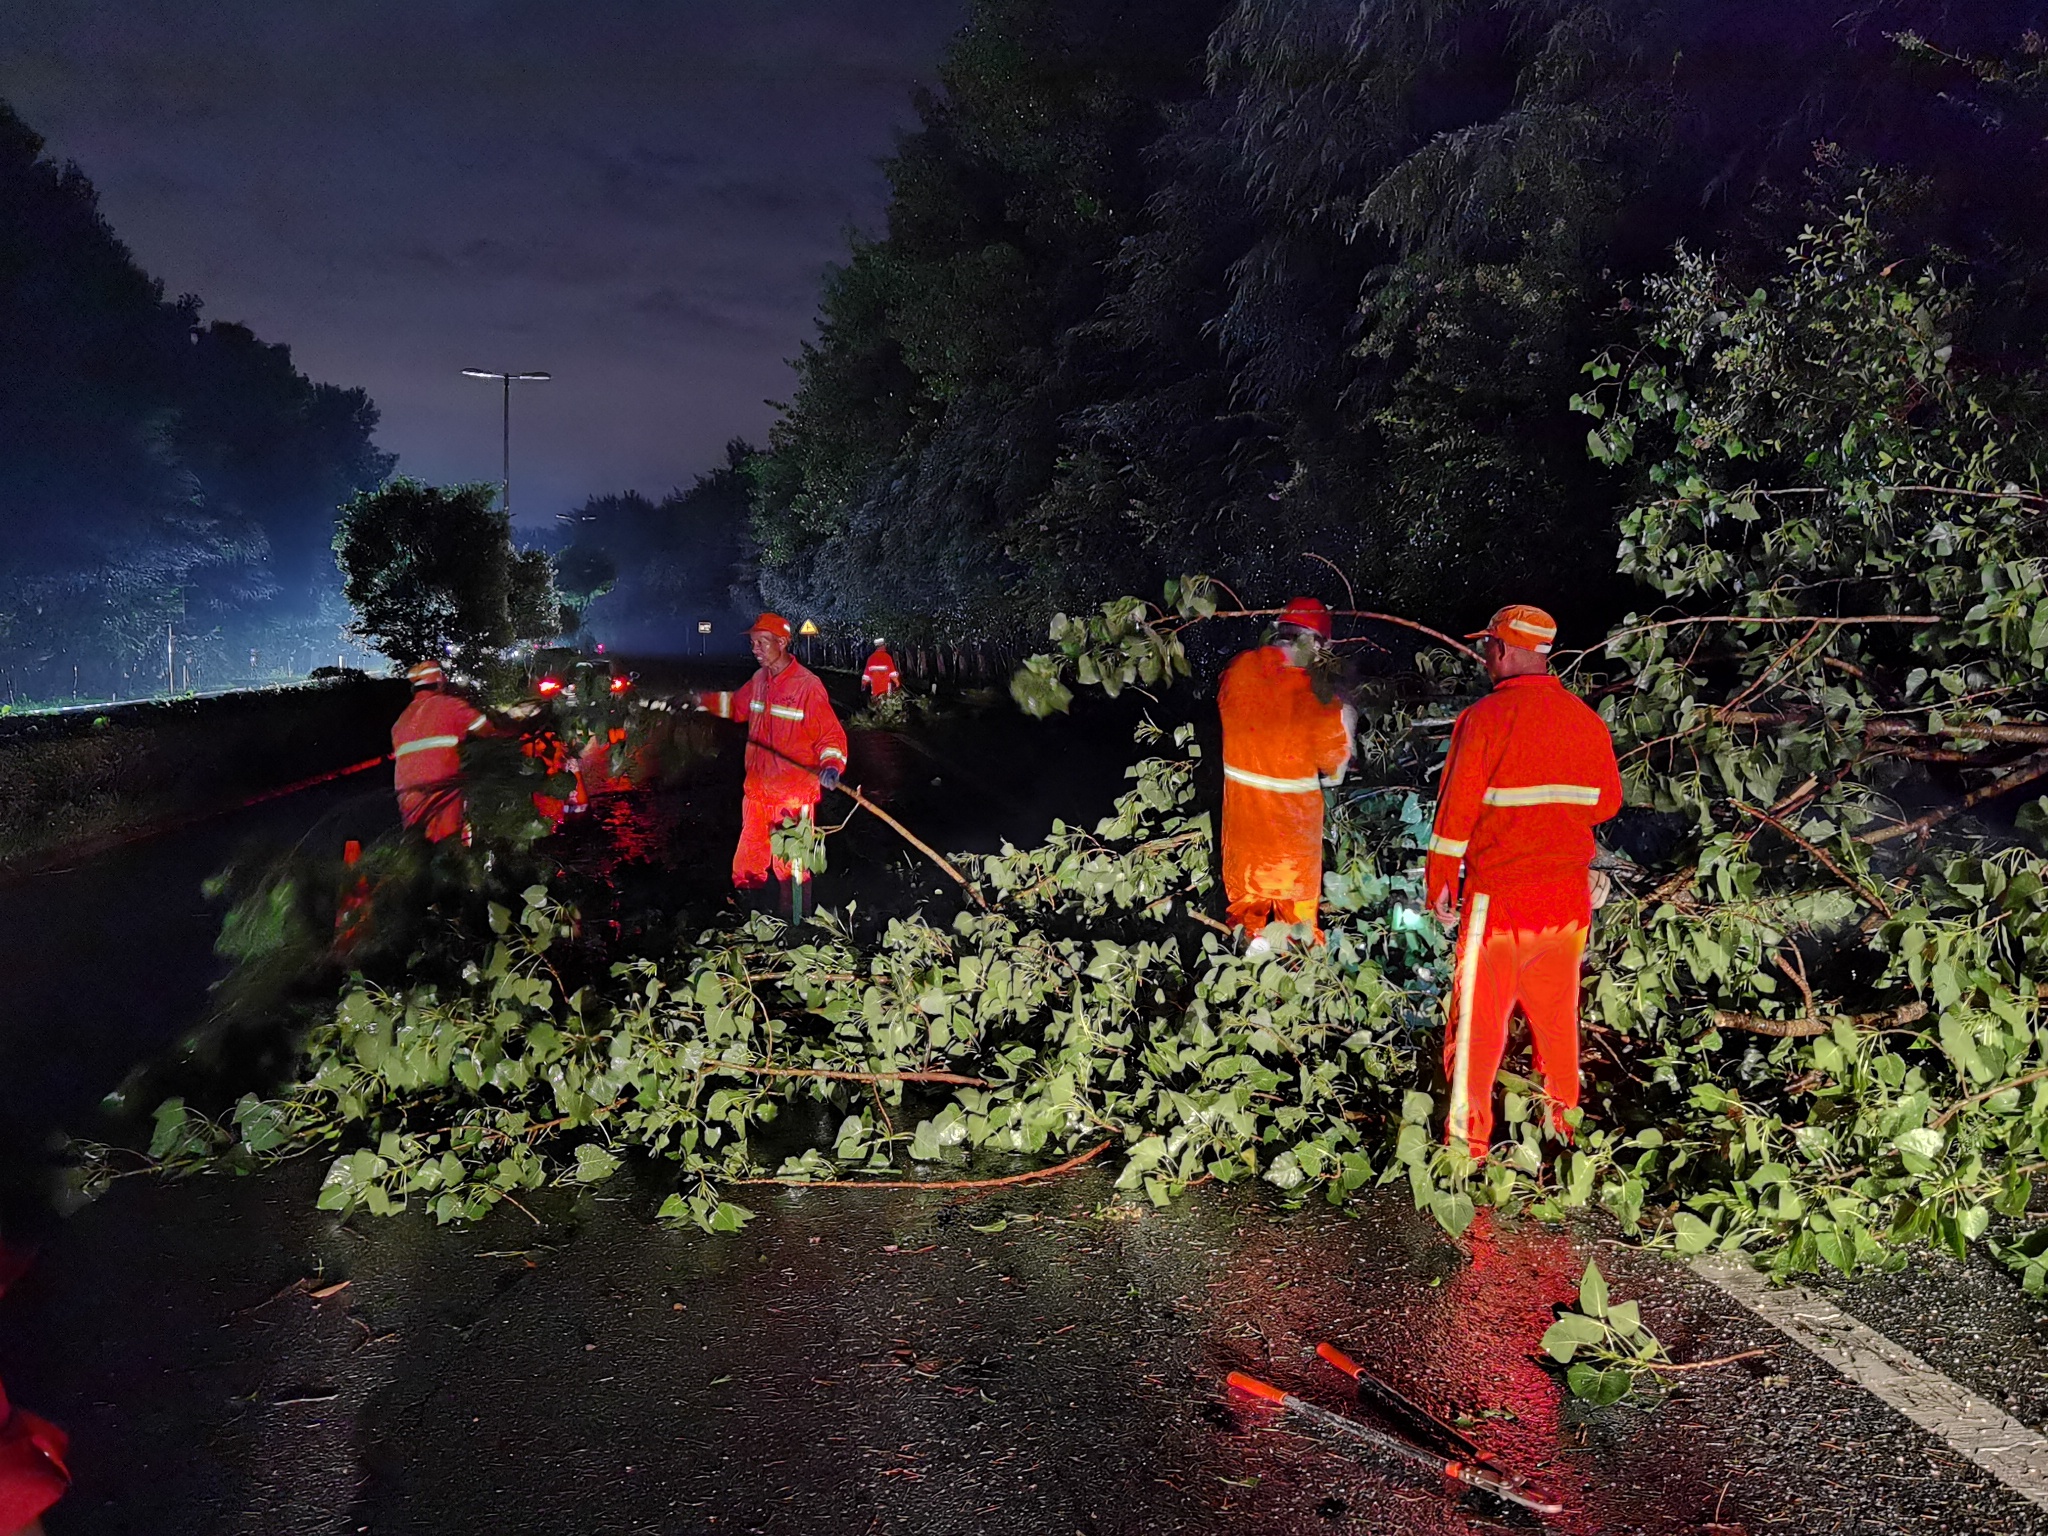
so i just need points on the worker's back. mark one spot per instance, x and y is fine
(1541, 763)
(426, 739)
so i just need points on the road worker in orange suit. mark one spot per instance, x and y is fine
(426, 752)
(1281, 745)
(796, 748)
(880, 677)
(1531, 772)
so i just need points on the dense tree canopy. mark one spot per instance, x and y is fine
(1211, 288)
(432, 571)
(154, 470)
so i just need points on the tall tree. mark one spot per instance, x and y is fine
(431, 571)
(152, 470)
(1345, 289)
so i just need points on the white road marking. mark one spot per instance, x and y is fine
(1989, 1436)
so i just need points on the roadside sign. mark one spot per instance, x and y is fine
(807, 628)
(703, 626)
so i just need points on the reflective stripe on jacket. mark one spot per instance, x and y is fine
(1531, 772)
(1280, 742)
(880, 676)
(426, 739)
(792, 731)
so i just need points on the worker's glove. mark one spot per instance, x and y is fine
(828, 778)
(1599, 887)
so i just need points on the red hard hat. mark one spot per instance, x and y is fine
(1307, 613)
(423, 673)
(770, 624)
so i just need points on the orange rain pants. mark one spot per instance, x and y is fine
(1279, 743)
(1497, 967)
(753, 862)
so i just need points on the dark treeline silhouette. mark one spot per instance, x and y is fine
(168, 487)
(647, 572)
(1174, 285)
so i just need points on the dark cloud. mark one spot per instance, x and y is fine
(638, 195)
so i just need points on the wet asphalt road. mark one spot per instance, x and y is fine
(875, 1362)
(1041, 1359)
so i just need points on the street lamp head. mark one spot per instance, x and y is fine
(499, 373)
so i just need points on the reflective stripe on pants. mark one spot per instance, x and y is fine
(1496, 969)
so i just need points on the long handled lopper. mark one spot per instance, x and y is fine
(1460, 1471)
(1411, 1418)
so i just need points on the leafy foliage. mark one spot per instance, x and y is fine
(1605, 1349)
(431, 571)
(1151, 301)
(1815, 1008)
(537, 1061)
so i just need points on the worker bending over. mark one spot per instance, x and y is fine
(1281, 744)
(880, 677)
(426, 753)
(796, 749)
(1531, 772)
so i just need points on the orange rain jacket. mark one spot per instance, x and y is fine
(792, 733)
(880, 677)
(426, 751)
(1279, 744)
(1531, 772)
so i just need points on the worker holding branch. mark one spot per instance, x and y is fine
(796, 749)
(1531, 772)
(426, 753)
(1282, 742)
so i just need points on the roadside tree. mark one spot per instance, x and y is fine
(430, 571)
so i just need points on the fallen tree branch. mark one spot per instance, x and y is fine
(918, 843)
(1869, 896)
(1670, 1369)
(953, 1078)
(2013, 731)
(1745, 618)
(1894, 728)
(1807, 1028)
(2026, 771)
(1016, 1178)
(1989, 1093)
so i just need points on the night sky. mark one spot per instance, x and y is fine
(637, 195)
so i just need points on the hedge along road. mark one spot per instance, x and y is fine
(1036, 1358)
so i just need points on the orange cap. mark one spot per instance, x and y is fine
(1520, 625)
(422, 673)
(770, 624)
(1307, 613)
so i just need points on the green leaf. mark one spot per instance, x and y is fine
(1453, 1212)
(594, 1164)
(1570, 1333)
(1693, 1235)
(1593, 1292)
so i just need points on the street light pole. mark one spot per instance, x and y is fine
(507, 379)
